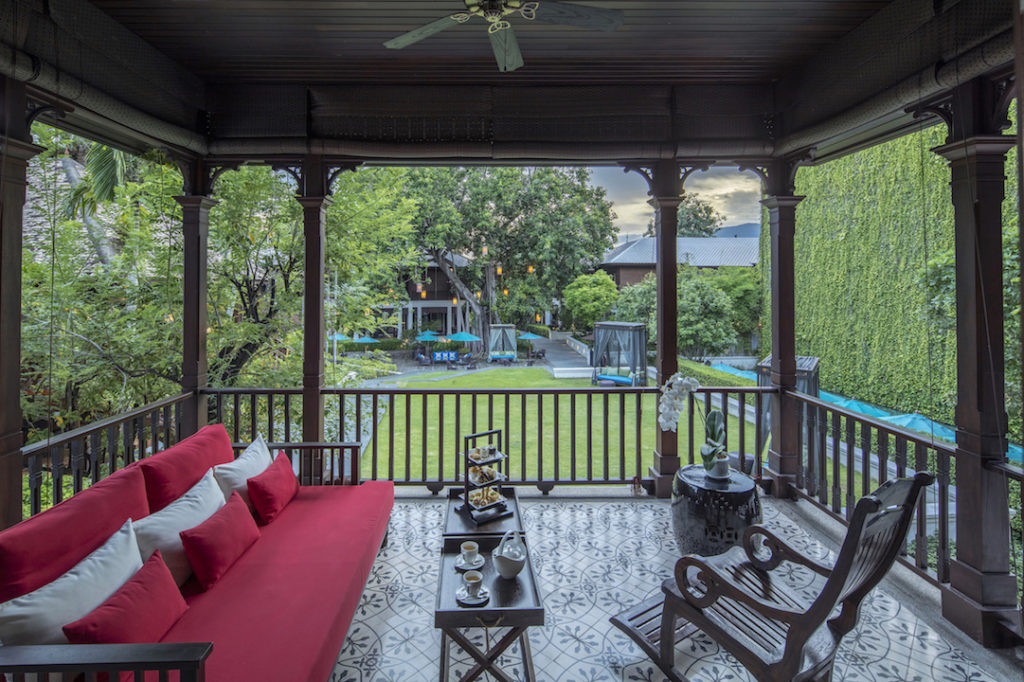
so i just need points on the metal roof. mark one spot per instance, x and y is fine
(701, 252)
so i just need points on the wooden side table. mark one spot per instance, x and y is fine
(515, 604)
(709, 516)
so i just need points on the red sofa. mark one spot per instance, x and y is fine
(280, 612)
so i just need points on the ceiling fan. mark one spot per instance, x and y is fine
(499, 29)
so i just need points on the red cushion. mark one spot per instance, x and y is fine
(271, 491)
(332, 531)
(142, 610)
(40, 549)
(216, 543)
(172, 472)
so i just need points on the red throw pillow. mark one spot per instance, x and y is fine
(142, 610)
(271, 491)
(214, 545)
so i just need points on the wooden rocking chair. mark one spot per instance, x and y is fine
(739, 599)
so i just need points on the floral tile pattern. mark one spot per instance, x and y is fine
(593, 559)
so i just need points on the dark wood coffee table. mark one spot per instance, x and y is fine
(515, 604)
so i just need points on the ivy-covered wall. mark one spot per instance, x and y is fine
(874, 289)
(865, 232)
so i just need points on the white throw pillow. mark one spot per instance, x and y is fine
(254, 461)
(160, 529)
(37, 617)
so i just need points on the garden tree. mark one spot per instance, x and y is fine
(256, 281)
(743, 287)
(589, 298)
(705, 317)
(696, 218)
(548, 218)
(102, 328)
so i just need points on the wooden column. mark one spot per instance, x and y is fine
(981, 596)
(783, 459)
(666, 188)
(16, 149)
(195, 213)
(314, 202)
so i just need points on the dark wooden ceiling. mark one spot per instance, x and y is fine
(340, 42)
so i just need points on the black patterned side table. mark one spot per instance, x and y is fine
(709, 515)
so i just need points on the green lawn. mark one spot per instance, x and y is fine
(536, 447)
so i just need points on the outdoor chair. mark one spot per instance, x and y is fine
(741, 599)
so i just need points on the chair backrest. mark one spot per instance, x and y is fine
(877, 530)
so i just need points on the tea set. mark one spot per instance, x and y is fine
(509, 559)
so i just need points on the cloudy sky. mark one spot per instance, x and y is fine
(735, 195)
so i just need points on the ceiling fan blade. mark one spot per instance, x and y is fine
(583, 16)
(506, 50)
(418, 34)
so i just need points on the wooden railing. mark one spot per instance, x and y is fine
(92, 662)
(62, 465)
(1015, 478)
(747, 407)
(845, 455)
(414, 436)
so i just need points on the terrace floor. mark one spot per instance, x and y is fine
(594, 557)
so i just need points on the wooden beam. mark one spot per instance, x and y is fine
(982, 593)
(15, 151)
(195, 211)
(783, 459)
(314, 215)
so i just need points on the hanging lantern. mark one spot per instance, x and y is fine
(529, 269)
(537, 317)
(209, 330)
(423, 294)
(478, 294)
(505, 292)
(498, 270)
(483, 251)
(455, 300)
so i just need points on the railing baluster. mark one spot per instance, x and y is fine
(288, 419)
(942, 481)
(801, 467)
(112, 434)
(392, 403)
(127, 438)
(822, 422)
(220, 407)
(522, 436)
(507, 426)
(865, 459)
(540, 441)
(35, 484)
(77, 464)
(638, 406)
(57, 473)
(759, 403)
(167, 426)
(622, 434)
(457, 458)
(811, 420)
(883, 457)
(440, 437)
(604, 434)
(342, 408)
(236, 400)
(850, 467)
(572, 437)
(921, 537)
(374, 435)
(558, 473)
(154, 432)
(836, 464)
(252, 417)
(95, 456)
(408, 436)
(692, 405)
(590, 437)
(270, 417)
(742, 419)
(423, 434)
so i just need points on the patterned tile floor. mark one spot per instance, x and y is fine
(594, 559)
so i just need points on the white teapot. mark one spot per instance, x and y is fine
(510, 555)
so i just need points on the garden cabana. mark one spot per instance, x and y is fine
(620, 353)
(763, 86)
(501, 343)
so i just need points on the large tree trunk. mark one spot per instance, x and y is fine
(481, 323)
(97, 235)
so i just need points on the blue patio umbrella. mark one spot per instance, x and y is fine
(365, 339)
(425, 337)
(337, 336)
(529, 336)
(464, 337)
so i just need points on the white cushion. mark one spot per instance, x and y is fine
(160, 529)
(254, 461)
(37, 617)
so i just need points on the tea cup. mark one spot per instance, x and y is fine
(472, 580)
(470, 552)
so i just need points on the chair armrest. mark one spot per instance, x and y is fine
(718, 586)
(779, 551)
(189, 659)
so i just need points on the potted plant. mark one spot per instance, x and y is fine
(712, 452)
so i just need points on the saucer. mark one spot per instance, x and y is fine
(461, 565)
(462, 596)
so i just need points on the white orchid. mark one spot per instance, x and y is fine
(674, 396)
